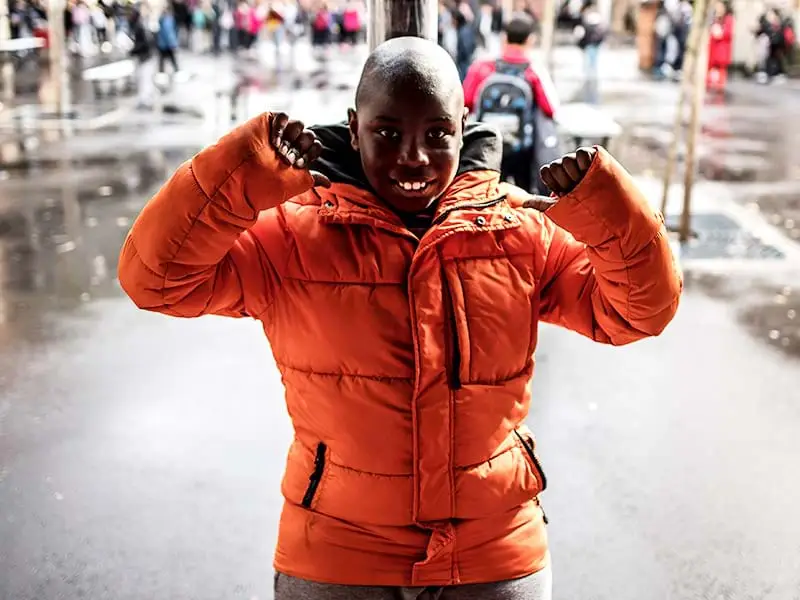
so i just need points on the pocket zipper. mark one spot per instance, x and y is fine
(316, 475)
(538, 466)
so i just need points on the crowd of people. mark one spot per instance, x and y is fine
(774, 32)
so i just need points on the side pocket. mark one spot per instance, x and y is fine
(316, 475)
(527, 444)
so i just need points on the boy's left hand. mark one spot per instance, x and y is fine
(564, 174)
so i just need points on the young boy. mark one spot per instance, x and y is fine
(400, 286)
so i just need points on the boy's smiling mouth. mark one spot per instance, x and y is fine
(412, 187)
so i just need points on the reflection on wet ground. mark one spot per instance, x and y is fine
(739, 142)
(61, 231)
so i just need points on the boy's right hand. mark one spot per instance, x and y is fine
(297, 145)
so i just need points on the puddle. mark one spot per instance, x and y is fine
(59, 245)
(717, 236)
(782, 210)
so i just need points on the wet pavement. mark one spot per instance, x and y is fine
(140, 456)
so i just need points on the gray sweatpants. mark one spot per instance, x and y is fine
(538, 586)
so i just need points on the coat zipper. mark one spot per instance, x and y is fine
(451, 332)
(316, 475)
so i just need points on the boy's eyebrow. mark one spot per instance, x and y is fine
(440, 119)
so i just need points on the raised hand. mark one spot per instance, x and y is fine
(564, 174)
(297, 145)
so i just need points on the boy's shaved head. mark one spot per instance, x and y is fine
(408, 122)
(408, 63)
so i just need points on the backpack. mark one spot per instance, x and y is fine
(505, 100)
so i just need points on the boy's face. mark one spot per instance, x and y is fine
(410, 143)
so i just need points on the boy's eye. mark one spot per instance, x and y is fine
(388, 133)
(438, 133)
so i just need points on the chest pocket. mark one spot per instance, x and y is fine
(491, 309)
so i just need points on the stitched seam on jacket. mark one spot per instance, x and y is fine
(281, 277)
(352, 375)
(190, 168)
(358, 283)
(138, 255)
(625, 259)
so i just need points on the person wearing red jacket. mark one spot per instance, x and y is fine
(720, 48)
(519, 35)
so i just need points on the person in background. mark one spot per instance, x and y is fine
(682, 24)
(518, 40)
(142, 52)
(167, 40)
(590, 34)
(663, 31)
(720, 48)
(100, 23)
(467, 32)
(352, 22)
(448, 36)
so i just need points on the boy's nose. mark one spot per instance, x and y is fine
(413, 155)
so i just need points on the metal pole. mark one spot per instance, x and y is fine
(395, 18)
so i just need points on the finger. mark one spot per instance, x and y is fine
(290, 135)
(279, 121)
(540, 203)
(304, 142)
(292, 132)
(548, 180)
(313, 153)
(558, 173)
(570, 163)
(585, 156)
(320, 180)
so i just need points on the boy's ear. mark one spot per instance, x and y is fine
(352, 125)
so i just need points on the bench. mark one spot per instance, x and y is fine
(21, 45)
(585, 124)
(103, 77)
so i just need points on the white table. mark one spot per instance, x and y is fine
(586, 122)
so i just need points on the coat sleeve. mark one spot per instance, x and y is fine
(609, 272)
(190, 251)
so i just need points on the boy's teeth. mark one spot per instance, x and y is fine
(417, 185)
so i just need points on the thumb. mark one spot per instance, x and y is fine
(320, 180)
(540, 203)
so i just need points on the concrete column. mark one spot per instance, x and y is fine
(8, 65)
(57, 54)
(396, 18)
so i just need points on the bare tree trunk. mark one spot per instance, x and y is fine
(688, 84)
(548, 33)
(698, 98)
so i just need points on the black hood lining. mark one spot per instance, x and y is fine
(482, 151)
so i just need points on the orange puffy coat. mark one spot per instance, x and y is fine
(406, 362)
